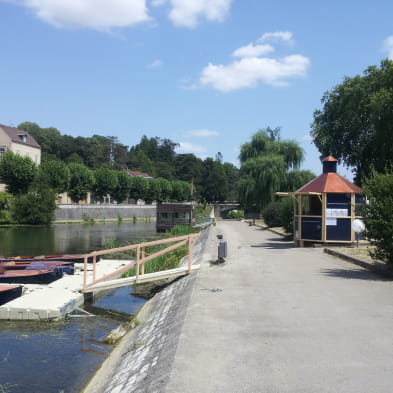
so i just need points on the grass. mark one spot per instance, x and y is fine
(167, 261)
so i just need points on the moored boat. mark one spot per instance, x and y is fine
(76, 258)
(9, 292)
(26, 276)
(66, 267)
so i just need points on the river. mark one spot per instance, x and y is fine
(60, 357)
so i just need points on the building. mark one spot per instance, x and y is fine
(19, 142)
(326, 207)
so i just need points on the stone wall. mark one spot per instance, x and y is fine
(104, 212)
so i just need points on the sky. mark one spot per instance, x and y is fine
(207, 74)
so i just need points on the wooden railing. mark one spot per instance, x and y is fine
(140, 260)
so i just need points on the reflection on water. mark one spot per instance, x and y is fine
(52, 356)
(69, 238)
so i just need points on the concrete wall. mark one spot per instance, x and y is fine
(104, 212)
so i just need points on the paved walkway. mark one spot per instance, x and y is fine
(278, 319)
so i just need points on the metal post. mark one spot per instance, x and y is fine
(84, 272)
(94, 266)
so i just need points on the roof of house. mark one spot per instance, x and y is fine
(138, 174)
(17, 136)
(330, 181)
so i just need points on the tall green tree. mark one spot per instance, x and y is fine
(215, 186)
(105, 182)
(122, 190)
(56, 174)
(81, 181)
(265, 162)
(17, 172)
(355, 124)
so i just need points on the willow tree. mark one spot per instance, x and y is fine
(265, 162)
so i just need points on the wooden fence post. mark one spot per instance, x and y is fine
(190, 251)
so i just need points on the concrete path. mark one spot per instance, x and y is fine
(277, 319)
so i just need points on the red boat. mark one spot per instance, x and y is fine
(9, 292)
(76, 258)
(66, 267)
(37, 276)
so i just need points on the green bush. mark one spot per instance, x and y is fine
(236, 214)
(271, 214)
(286, 214)
(378, 215)
(35, 207)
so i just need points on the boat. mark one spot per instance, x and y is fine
(76, 258)
(9, 292)
(66, 267)
(30, 276)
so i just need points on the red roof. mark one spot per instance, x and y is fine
(329, 158)
(330, 182)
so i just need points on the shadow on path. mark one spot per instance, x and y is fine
(274, 244)
(353, 274)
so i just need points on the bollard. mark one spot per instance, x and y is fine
(222, 249)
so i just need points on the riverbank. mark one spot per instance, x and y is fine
(95, 212)
(151, 345)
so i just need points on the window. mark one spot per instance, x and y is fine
(2, 151)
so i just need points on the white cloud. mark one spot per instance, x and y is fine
(388, 46)
(187, 13)
(252, 50)
(277, 36)
(185, 147)
(94, 14)
(156, 64)
(248, 72)
(254, 67)
(201, 133)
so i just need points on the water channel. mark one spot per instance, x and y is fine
(60, 357)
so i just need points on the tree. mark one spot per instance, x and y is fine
(56, 174)
(122, 190)
(17, 172)
(81, 181)
(35, 207)
(265, 164)
(378, 214)
(215, 187)
(355, 124)
(138, 188)
(105, 182)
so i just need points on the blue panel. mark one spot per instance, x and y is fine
(341, 231)
(311, 228)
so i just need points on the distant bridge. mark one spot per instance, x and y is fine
(223, 209)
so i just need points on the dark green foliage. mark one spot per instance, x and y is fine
(17, 172)
(36, 207)
(215, 187)
(355, 124)
(378, 214)
(6, 200)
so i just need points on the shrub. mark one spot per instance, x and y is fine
(378, 215)
(236, 214)
(271, 214)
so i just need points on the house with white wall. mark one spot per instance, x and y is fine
(19, 142)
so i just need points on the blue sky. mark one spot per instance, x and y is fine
(205, 73)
